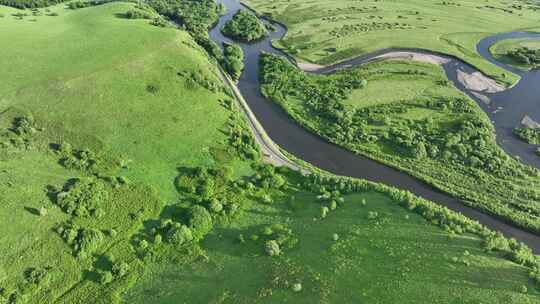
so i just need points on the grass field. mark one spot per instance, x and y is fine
(111, 130)
(500, 51)
(395, 257)
(326, 32)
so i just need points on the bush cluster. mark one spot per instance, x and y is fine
(84, 241)
(525, 55)
(138, 14)
(529, 135)
(78, 159)
(23, 4)
(233, 60)
(199, 79)
(244, 26)
(241, 139)
(83, 4)
(83, 197)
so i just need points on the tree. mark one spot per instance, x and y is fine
(179, 234)
(420, 150)
(200, 221)
(105, 277)
(120, 269)
(272, 248)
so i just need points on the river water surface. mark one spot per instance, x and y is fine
(290, 136)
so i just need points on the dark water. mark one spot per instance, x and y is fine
(317, 151)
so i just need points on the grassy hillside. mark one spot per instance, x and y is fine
(87, 94)
(326, 32)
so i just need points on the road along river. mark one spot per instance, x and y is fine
(315, 150)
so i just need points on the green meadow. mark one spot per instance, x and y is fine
(326, 32)
(384, 254)
(127, 175)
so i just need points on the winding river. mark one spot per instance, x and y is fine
(313, 149)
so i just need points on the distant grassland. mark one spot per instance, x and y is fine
(326, 32)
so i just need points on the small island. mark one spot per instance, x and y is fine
(245, 27)
(520, 53)
(528, 135)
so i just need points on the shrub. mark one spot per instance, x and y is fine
(82, 197)
(120, 269)
(179, 234)
(525, 55)
(529, 135)
(152, 88)
(137, 14)
(84, 241)
(272, 248)
(324, 211)
(36, 275)
(105, 277)
(200, 221)
(233, 60)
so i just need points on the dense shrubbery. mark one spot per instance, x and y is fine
(83, 4)
(459, 154)
(83, 197)
(198, 79)
(138, 14)
(233, 60)
(525, 55)
(84, 241)
(529, 135)
(196, 16)
(239, 136)
(29, 3)
(21, 135)
(244, 26)
(78, 159)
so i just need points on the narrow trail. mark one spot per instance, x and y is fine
(275, 130)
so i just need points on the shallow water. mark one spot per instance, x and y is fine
(313, 149)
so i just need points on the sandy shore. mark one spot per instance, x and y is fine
(475, 81)
(429, 58)
(310, 67)
(478, 82)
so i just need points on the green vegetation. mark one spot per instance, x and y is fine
(97, 113)
(326, 32)
(29, 3)
(521, 53)
(528, 135)
(128, 174)
(426, 128)
(233, 60)
(370, 248)
(244, 26)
